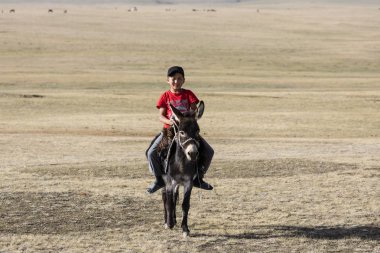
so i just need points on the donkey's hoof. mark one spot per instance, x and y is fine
(168, 226)
(185, 234)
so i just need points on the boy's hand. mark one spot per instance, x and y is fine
(172, 120)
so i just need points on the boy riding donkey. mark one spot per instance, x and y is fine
(184, 100)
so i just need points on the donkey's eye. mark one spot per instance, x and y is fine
(182, 133)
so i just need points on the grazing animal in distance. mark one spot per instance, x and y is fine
(12, 11)
(134, 9)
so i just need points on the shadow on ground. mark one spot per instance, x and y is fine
(318, 232)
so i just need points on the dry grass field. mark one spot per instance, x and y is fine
(292, 97)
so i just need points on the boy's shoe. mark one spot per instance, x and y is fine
(158, 184)
(198, 182)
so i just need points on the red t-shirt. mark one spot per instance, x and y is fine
(181, 101)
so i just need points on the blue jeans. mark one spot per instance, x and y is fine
(154, 161)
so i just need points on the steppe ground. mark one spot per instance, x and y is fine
(292, 99)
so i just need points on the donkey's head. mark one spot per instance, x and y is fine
(188, 130)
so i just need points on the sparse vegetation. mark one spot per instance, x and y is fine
(293, 109)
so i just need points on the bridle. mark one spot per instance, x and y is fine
(178, 137)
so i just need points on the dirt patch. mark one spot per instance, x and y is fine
(374, 172)
(31, 96)
(132, 170)
(274, 168)
(375, 169)
(65, 212)
(2, 94)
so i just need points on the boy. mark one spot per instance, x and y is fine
(183, 100)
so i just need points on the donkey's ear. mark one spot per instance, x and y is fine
(177, 114)
(200, 110)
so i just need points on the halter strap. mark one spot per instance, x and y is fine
(176, 135)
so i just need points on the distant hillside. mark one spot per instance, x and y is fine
(208, 2)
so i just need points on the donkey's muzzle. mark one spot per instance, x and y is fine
(192, 152)
(193, 155)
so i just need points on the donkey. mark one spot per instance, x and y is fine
(181, 165)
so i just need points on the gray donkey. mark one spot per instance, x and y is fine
(181, 165)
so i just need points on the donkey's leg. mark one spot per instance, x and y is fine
(170, 207)
(185, 209)
(176, 192)
(164, 198)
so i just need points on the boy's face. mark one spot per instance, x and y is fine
(176, 82)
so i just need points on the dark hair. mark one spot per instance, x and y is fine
(174, 70)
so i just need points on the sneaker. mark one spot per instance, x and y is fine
(158, 184)
(198, 182)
